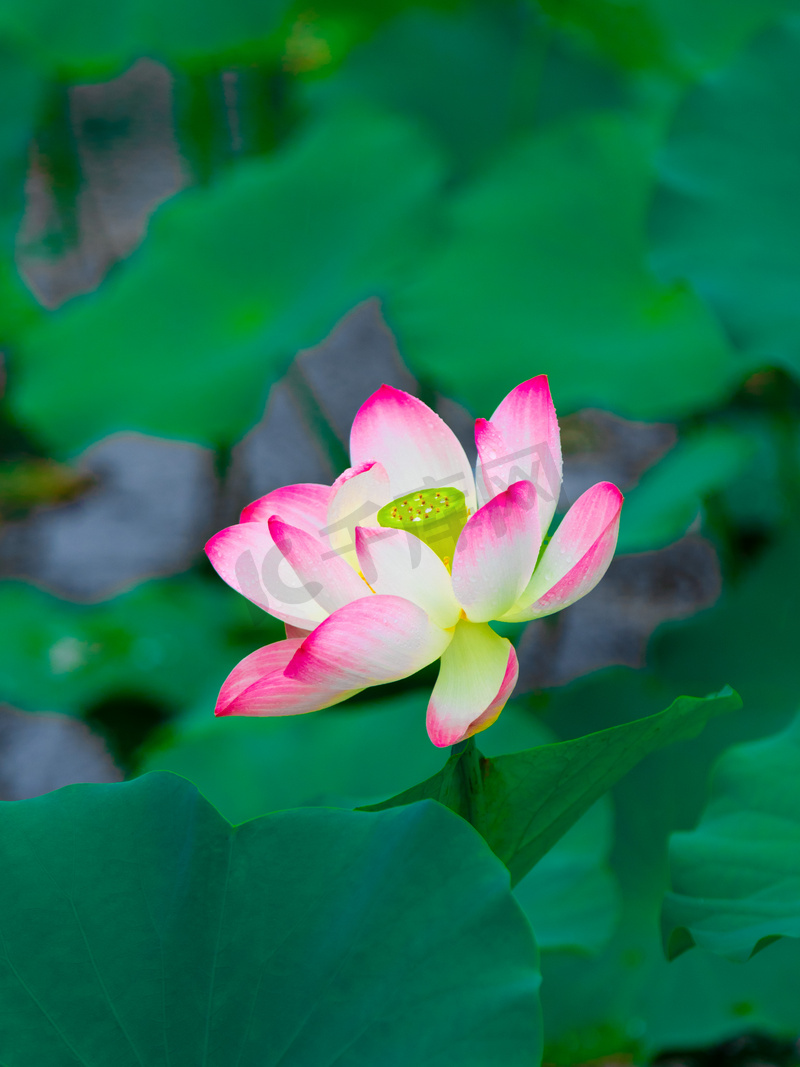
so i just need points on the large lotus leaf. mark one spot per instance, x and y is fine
(727, 215)
(357, 752)
(663, 505)
(524, 802)
(137, 926)
(230, 282)
(544, 270)
(736, 876)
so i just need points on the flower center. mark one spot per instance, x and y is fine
(435, 516)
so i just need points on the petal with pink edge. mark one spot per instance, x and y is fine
(259, 686)
(356, 497)
(325, 575)
(398, 563)
(577, 556)
(304, 505)
(476, 677)
(247, 558)
(377, 639)
(415, 446)
(522, 440)
(496, 553)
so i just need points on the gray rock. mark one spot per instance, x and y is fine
(41, 752)
(613, 624)
(129, 163)
(358, 356)
(600, 447)
(304, 433)
(148, 514)
(283, 448)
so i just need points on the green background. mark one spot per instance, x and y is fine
(604, 191)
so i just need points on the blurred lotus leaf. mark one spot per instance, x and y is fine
(543, 268)
(726, 217)
(736, 876)
(231, 290)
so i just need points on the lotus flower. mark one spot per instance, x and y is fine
(407, 558)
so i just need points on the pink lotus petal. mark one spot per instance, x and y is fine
(492, 713)
(496, 553)
(476, 677)
(296, 631)
(522, 441)
(259, 686)
(304, 505)
(356, 497)
(576, 558)
(258, 665)
(247, 558)
(326, 576)
(396, 562)
(492, 454)
(415, 446)
(377, 639)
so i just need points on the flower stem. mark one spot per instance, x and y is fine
(462, 746)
